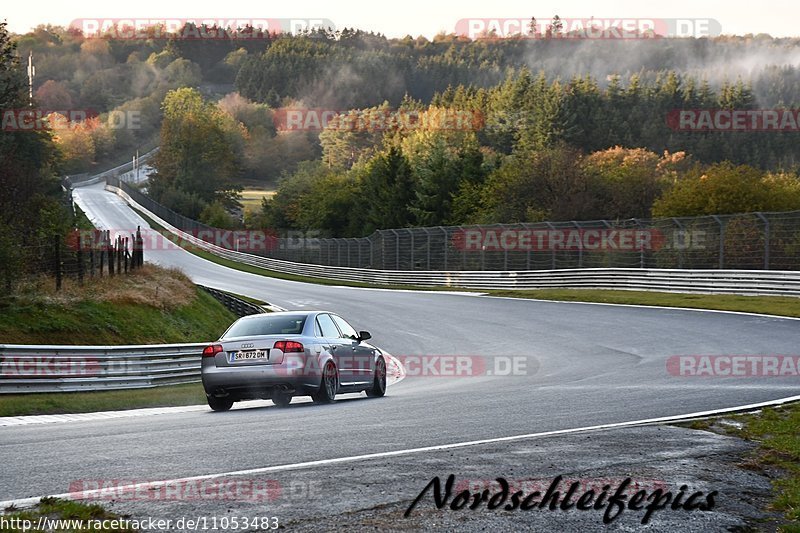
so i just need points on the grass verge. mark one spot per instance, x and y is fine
(149, 306)
(90, 402)
(775, 429)
(82, 515)
(768, 305)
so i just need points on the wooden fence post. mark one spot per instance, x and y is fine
(79, 257)
(110, 247)
(57, 250)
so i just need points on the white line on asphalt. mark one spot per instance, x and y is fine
(153, 485)
(395, 374)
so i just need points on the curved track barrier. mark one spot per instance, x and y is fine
(754, 282)
(28, 369)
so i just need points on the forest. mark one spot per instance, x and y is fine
(569, 128)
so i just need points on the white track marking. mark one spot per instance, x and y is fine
(395, 373)
(152, 485)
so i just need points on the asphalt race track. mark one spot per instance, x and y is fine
(582, 365)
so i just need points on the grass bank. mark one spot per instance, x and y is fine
(152, 305)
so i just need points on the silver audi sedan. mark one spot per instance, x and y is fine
(293, 353)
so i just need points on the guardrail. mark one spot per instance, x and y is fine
(755, 282)
(235, 305)
(29, 369)
(82, 180)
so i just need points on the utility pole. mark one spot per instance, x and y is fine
(31, 74)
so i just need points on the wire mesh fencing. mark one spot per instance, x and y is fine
(80, 255)
(752, 241)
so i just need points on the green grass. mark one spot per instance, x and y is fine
(53, 508)
(768, 305)
(90, 402)
(777, 431)
(92, 322)
(251, 198)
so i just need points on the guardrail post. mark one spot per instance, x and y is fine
(721, 241)
(766, 239)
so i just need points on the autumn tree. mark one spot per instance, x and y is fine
(197, 155)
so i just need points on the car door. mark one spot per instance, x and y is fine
(362, 355)
(333, 342)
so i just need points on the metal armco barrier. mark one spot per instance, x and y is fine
(235, 305)
(756, 282)
(28, 369)
(82, 180)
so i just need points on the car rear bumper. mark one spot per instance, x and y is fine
(257, 381)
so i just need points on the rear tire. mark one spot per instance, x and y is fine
(281, 399)
(379, 380)
(219, 404)
(328, 385)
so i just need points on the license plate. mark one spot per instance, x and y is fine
(249, 355)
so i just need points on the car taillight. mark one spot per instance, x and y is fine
(211, 351)
(288, 346)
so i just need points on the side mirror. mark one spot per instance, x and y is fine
(364, 335)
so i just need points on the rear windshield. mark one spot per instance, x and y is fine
(267, 325)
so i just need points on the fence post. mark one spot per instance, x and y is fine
(411, 234)
(721, 241)
(102, 255)
(683, 243)
(766, 239)
(641, 249)
(57, 250)
(79, 257)
(552, 248)
(580, 247)
(445, 246)
(109, 253)
(396, 250)
(139, 247)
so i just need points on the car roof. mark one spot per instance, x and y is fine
(280, 313)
